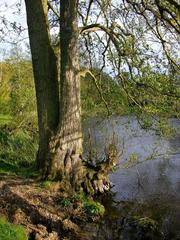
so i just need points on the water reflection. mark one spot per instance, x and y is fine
(151, 188)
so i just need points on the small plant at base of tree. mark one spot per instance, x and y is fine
(90, 207)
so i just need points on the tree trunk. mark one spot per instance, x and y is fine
(66, 146)
(60, 133)
(45, 75)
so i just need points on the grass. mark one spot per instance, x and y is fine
(9, 168)
(5, 119)
(9, 231)
(17, 153)
(17, 146)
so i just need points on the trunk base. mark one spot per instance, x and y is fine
(66, 164)
(69, 167)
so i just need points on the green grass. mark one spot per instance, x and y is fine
(17, 146)
(10, 231)
(17, 152)
(91, 207)
(9, 168)
(5, 119)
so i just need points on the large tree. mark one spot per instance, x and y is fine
(60, 146)
(59, 112)
(114, 30)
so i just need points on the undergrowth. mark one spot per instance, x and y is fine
(89, 206)
(10, 231)
(17, 152)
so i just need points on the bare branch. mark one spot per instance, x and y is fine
(112, 35)
(50, 6)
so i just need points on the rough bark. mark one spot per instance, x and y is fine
(45, 74)
(66, 146)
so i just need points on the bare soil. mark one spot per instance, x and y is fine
(27, 203)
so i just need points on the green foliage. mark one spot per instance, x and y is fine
(154, 94)
(89, 206)
(146, 223)
(18, 146)
(8, 168)
(93, 208)
(64, 202)
(114, 96)
(5, 119)
(18, 121)
(159, 123)
(132, 161)
(17, 93)
(17, 152)
(10, 231)
(16, 169)
(23, 106)
(164, 129)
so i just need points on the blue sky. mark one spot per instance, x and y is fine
(9, 11)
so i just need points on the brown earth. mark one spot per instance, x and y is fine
(36, 208)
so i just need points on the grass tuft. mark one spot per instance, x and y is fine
(10, 231)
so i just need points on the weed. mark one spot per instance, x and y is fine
(64, 202)
(46, 184)
(93, 208)
(89, 206)
(146, 222)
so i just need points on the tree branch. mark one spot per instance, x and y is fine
(112, 35)
(50, 6)
(83, 74)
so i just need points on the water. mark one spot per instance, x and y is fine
(147, 182)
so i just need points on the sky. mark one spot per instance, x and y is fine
(9, 11)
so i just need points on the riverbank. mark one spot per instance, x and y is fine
(146, 190)
(45, 210)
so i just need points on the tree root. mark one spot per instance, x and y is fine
(69, 166)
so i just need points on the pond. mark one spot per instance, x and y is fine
(146, 183)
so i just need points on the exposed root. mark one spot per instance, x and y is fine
(68, 165)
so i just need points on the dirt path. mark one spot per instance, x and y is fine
(25, 202)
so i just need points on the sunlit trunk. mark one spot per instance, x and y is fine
(45, 74)
(66, 146)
